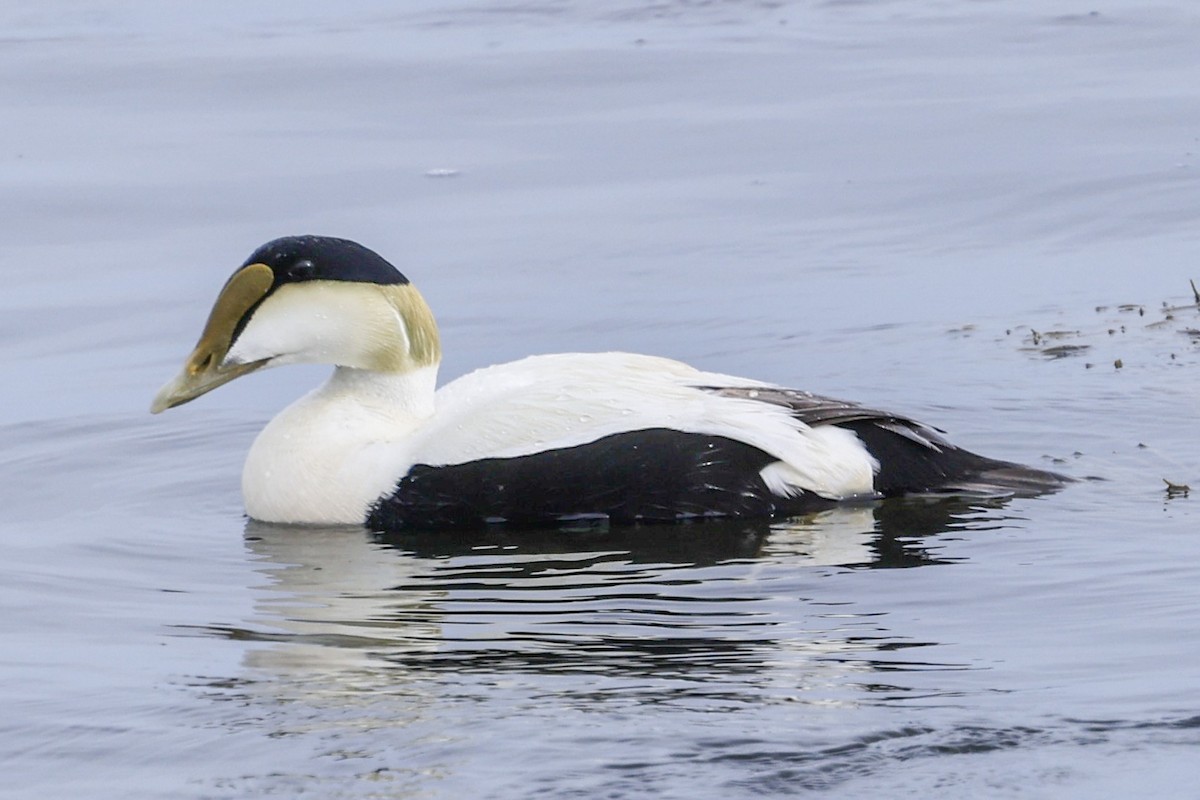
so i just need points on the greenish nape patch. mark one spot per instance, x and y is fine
(424, 342)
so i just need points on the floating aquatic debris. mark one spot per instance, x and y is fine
(1065, 350)
(1176, 489)
(441, 173)
(1038, 338)
(1172, 316)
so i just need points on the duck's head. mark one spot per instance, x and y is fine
(308, 299)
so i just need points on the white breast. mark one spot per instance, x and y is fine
(319, 461)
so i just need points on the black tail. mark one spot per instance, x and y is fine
(910, 464)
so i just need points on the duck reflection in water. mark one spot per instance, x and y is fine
(673, 600)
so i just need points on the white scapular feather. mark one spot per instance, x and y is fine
(553, 401)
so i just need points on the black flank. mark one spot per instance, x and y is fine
(664, 475)
(906, 466)
(655, 475)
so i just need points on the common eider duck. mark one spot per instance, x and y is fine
(544, 441)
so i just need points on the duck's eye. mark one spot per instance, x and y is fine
(302, 270)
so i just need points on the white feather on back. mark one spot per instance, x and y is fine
(557, 401)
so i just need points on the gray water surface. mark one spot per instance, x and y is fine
(968, 212)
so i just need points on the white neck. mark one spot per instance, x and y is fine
(401, 397)
(312, 462)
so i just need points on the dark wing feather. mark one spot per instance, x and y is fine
(912, 456)
(814, 409)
